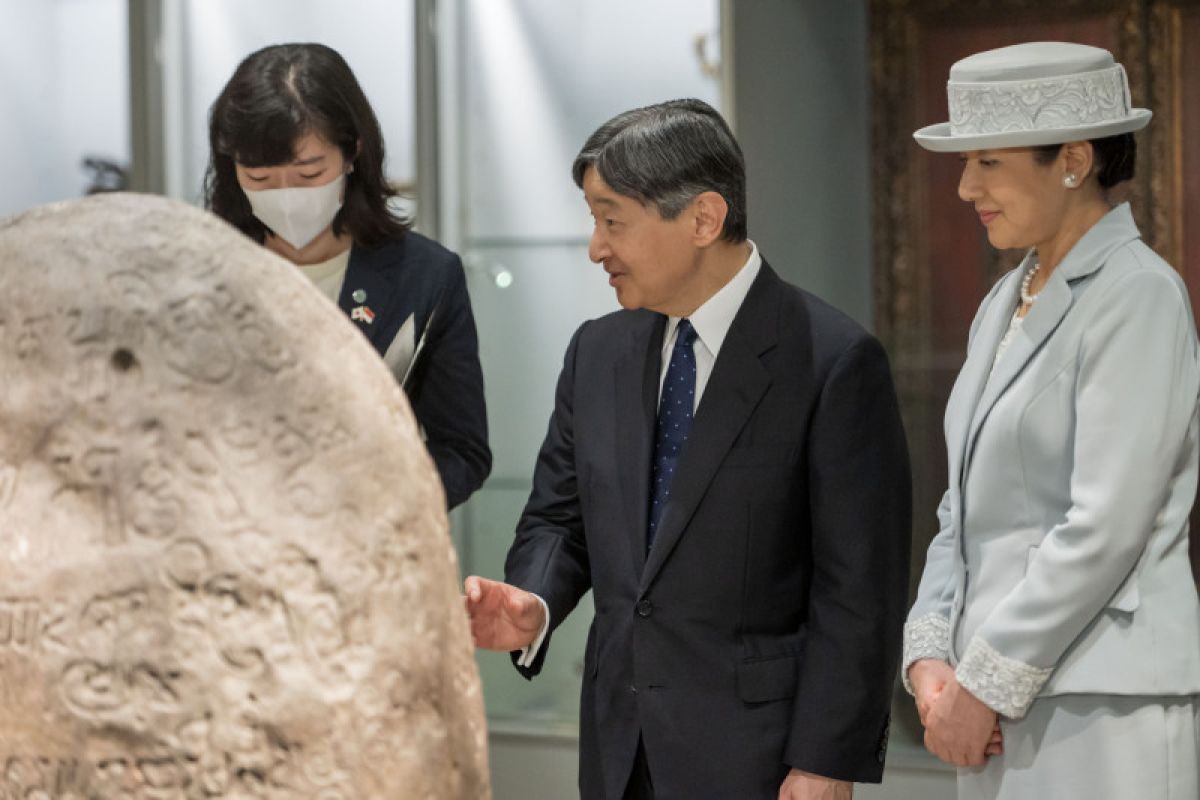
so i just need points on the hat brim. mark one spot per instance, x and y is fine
(939, 139)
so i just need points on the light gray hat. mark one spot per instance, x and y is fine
(1033, 94)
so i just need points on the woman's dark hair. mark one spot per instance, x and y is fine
(278, 95)
(1115, 158)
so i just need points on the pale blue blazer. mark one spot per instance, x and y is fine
(1061, 564)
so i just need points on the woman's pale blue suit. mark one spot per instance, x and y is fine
(1061, 567)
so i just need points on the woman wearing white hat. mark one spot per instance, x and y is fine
(1054, 646)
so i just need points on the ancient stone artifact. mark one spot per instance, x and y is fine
(224, 562)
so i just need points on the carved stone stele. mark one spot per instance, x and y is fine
(225, 569)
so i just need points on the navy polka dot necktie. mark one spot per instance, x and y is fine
(674, 422)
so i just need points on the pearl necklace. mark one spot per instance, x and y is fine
(1027, 281)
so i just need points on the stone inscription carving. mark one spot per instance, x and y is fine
(19, 623)
(225, 570)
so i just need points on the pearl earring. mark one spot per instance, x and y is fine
(1069, 180)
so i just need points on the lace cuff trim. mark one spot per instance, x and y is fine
(1005, 685)
(927, 636)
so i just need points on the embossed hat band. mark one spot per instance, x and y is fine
(1025, 105)
(1034, 94)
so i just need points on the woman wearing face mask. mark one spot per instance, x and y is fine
(296, 163)
(1054, 647)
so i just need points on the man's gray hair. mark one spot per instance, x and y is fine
(667, 154)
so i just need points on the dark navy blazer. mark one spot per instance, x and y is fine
(413, 307)
(762, 630)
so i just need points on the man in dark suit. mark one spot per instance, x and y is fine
(726, 469)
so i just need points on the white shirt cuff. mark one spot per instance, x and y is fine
(529, 652)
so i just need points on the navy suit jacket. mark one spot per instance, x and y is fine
(762, 631)
(419, 319)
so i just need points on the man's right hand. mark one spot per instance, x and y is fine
(502, 616)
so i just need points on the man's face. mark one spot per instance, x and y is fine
(651, 262)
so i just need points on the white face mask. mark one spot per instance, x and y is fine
(298, 214)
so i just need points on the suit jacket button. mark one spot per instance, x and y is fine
(644, 608)
(632, 689)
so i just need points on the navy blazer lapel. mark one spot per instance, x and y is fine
(365, 274)
(636, 382)
(737, 384)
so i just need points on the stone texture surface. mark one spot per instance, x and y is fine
(225, 569)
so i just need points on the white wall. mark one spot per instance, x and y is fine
(64, 76)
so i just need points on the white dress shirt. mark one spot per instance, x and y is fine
(711, 321)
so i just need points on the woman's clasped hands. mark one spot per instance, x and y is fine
(959, 728)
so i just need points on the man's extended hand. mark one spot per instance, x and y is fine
(800, 785)
(959, 728)
(502, 616)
